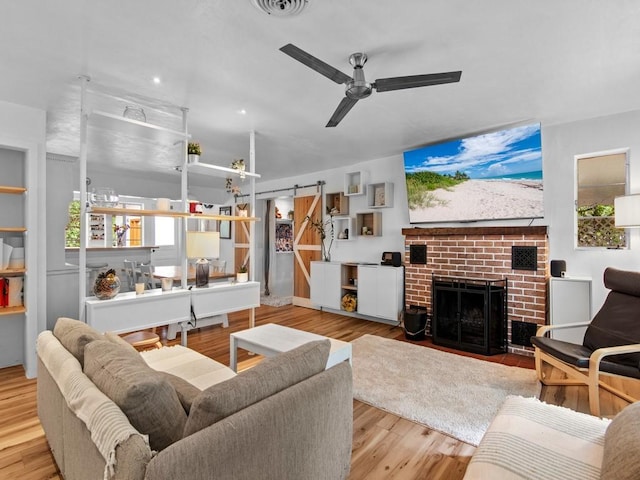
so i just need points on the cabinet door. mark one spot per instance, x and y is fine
(368, 290)
(380, 291)
(325, 284)
(389, 295)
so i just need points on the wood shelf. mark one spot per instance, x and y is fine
(12, 310)
(13, 229)
(12, 271)
(167, 213)
(12, 190)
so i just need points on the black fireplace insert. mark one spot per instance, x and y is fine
(470, 314)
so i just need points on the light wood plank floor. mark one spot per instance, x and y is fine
(384, 445)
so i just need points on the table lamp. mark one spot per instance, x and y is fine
(627, 211)
(202, 246)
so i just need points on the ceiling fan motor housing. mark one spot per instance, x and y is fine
(358, 88)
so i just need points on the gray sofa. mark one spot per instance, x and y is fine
(111, 412)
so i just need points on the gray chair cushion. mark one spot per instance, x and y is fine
(621, 457)
(618, 320)
(75, 335)
(269, 377)
(144, 395)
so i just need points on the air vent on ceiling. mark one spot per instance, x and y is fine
(281, 8)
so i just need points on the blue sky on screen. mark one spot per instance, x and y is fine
(506, 152)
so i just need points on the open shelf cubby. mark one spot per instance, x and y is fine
(371, 221)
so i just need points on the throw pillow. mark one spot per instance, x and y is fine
(621, 456)
(115, 338)
(144, 395)
(269, 377)
(75, 335)
(187, 393)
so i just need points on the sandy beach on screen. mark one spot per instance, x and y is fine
(478, 199)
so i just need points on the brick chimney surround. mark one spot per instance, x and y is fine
(483, 253)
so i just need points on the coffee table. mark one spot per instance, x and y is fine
(271, 339)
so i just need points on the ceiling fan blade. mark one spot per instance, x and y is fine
(345, 105)
(413, 81)
(315, 64)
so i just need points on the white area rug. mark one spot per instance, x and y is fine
(450, 393)
(275, 301)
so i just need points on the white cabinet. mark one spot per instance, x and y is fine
(569, 302)
(325, 284)
(380, 291)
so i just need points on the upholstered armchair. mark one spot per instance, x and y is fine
(611, 344)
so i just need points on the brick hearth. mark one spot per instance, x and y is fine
(486, 253)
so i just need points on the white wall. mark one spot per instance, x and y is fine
(561, 143)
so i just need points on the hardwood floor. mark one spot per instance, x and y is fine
(384, 446)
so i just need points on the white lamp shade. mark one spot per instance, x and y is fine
(627, 211)
(203, 244)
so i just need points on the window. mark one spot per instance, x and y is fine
(600, 178)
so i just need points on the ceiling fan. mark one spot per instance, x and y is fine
(357, 87)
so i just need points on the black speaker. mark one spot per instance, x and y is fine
(558, 267)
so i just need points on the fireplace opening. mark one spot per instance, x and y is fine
(470, 314)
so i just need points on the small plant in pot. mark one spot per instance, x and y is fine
(194, 151)
(242, 275)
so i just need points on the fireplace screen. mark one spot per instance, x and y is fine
(470, 314)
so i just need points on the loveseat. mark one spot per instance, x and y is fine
(111, 412)
(531, 440)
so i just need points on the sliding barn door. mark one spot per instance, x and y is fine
(306, 245)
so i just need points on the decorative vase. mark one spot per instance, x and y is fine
(107, 285)
(193, 158)
(242, 277)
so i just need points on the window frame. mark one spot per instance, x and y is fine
(619, 151)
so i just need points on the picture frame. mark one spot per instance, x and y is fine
(225, 225)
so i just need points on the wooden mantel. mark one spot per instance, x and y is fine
(449, 231)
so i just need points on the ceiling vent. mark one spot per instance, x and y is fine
(281, 8)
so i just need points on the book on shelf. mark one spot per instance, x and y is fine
(11, 291)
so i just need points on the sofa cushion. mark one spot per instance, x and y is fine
(75, 335)
(532, 440)
(621, 457)
(144, 395)
(269, 377)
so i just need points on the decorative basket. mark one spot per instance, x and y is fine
(107, 285)
(349, 302)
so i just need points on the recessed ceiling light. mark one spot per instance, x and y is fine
(242, 111)
(157, 80)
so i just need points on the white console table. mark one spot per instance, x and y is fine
(128, 312)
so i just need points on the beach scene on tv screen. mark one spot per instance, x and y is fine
(492, 176)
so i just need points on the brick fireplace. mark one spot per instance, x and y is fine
(519, 254)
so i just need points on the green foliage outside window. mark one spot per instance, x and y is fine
(72, 230)
(596, 227)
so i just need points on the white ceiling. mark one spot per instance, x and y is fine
(546, 60)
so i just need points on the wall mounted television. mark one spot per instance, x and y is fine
(492, 176)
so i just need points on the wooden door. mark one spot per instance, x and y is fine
(306, 245)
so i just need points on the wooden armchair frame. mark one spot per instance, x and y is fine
(583, 376)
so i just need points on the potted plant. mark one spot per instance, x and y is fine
(194, 151)
(242, 275)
